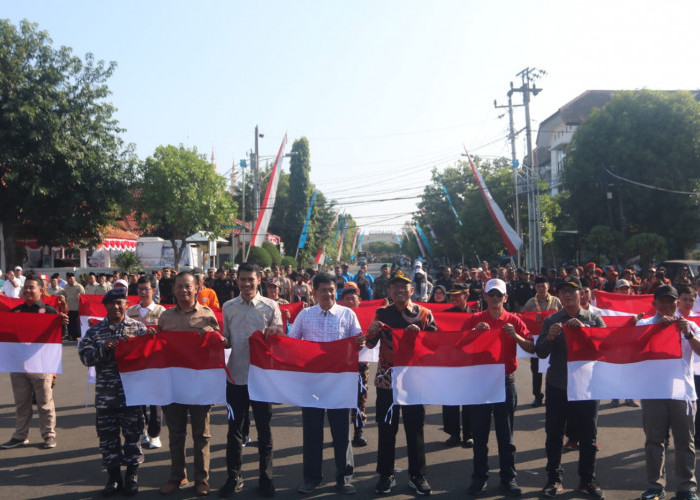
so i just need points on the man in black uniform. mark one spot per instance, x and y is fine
(552, 343)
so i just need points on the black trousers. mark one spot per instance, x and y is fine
(536, 378)
(413, 421)
(451, 421)
(74, 324)
(339, 422)
(239, 400)
(154, 421)
(584, 416)
(503, 423)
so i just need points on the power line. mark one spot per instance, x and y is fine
(649, 186)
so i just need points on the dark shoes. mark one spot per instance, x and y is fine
(511, 488)
(233, 484)
(592, 488)
(114, 483)
(307, 488)
(420, 485)
(686, 495)
(552, 489)
(345, 489)
(385, 484)
(537, 402)
(358, 440)
(453, 441)
(172, 486)
(131, 484)
(476, 487)
(654, 494)
(266, 487)
(14, 443)
(468, 443)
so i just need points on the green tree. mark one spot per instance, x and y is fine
(128, 262)
(649, 137)
(383, 248)
(273, 251)
(64, 170)
(604, 241)
(648, 246)
(180, 193)
(299, 193)
(257, 255)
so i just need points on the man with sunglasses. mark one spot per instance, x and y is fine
(552, 343)
(495, 317)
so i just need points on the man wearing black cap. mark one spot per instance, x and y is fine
(523, 290)
(658, 415)
(381, 284)
(401, 314)
(552, 343)
(96, 349)
(450, 414)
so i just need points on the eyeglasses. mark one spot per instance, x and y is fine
(495, 293)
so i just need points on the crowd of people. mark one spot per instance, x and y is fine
(249, 299)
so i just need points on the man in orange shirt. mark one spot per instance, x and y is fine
(205, 296)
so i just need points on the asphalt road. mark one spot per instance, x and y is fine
(73, 471)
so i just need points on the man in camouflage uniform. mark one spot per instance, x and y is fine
(96, 349)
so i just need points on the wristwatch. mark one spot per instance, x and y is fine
(688, 335)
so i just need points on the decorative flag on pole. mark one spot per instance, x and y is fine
(30, 342)
(320, 255)
(431, 367)
(511, 238)
(449, 200)
(640, 362)
(354, 242)
(398, 238)
(341, 240)
(420, 243)
(359, 242)
(303, 373)
(268, 202)
(172, 367)
(424, 238)
(338, 218)
(432, 232)
(305, 229)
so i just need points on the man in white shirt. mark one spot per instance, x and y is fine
(326, 322)
(658, 415)
(20, 276)
(242, 316)
(148, 312)
(12, 286)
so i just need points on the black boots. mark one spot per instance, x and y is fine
(114, 483)
(131, 485)
(358, 440)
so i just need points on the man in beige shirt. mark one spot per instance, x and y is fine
(72, 292)
(188, 316)
(244, 315)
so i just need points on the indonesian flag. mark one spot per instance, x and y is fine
(626, 362)
(172, 367)
(30, 342)
(303, 373)
(511, 239)
(294, 309)
(448, 368)
(92, 310)
(320, 255)
(268, 201)
(616, 304)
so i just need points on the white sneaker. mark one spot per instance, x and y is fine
(155, 442)
(145, 441)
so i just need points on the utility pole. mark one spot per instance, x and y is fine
(514, 161)
(528, 76)
(256, 189)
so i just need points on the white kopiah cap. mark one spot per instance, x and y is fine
(495, 284)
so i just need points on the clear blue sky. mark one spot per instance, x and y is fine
(384, 90)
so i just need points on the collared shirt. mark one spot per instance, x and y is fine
(550, 303)
(146, 315)
(36, 307)
(317, 325)
(241, 320)
(191, 320)
(556, 349)
(686, 351)
(109, 392)
(392, 317)
(510, 346)
(72, 292)
(54, 291)
(207, 297)
(96, 289)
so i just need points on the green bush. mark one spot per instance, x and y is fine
(273, 251)
(289, 261)
(258, 256)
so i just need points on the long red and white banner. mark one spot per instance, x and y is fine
(8, 303)
(303, 373)
(626, 362)
(510, 237)
(30, 342)
(268, 202)
(448, 368)
(616, 304)
(172, 367)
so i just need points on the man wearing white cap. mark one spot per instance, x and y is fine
(495, 317)
(19, 275)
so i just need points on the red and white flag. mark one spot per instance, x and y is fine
(30, 342)
(448, 368)
(616, 304)
(92, 310)
(510, 237)
(172, 367)
(641, 362)
(9, 303)
(268, 201)
(303, 373)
